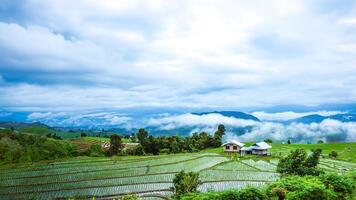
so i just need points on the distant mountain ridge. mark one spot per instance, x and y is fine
(20, 125)
(308, 119)
(235, 114)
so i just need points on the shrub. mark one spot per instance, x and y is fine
(95, 150)
(341, 185)
(135, 151)
(333, 154)
(185, 183)
(251, 193)
(296, 187)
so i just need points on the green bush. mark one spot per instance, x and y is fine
(203, 196)
(134, 151)
(249, 193)
(95, 150)
(333, 154)
(341, 185)
(185, 183)
(301, 188)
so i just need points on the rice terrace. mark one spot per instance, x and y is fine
(149, 177)
(177, 100)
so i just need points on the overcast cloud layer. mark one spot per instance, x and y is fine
(328, 130)
(87, 54)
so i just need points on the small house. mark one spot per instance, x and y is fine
(232, 146)
(260, 148)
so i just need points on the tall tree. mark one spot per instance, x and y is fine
(297, 163)
(141, 135)
(115, 144)
(313, 159)
(151, 145)
(218, 135)
(221, 130)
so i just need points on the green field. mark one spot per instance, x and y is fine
(44, 130)
(147, 176)
(346, 151)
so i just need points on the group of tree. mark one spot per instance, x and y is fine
(299, 163)
(22, 147)
(148, 144)
(176, 144)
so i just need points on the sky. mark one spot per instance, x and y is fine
(86, 54)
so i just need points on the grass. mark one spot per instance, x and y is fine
(346, 151)
(44, 130)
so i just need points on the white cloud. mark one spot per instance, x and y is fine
(348, 21)
(73, 119)
(45, 115)
(188, 119)
(187, 53)
(284, 116)
(327, 130)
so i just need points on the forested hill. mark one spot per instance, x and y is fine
(235, 114)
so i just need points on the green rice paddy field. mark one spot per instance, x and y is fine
(150, 177)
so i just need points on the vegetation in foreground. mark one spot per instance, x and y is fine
(301, 180)
(146, 176)
(324, 187)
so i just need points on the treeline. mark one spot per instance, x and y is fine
(148, 144)
(301, 180)
(24, 147)
(20, 147)
(175, 144)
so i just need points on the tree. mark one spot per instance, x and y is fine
(141, 135)
(333, 154)
(297, 163)
(115, 144)
(221, 130)
(268, 140)
(150, 145)
(288, 142)
(313, 159)
(320, 142)
(186, 182)
(218, 135)
(175, 147)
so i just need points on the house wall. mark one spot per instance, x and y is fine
(231, 148)
(259, 152)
